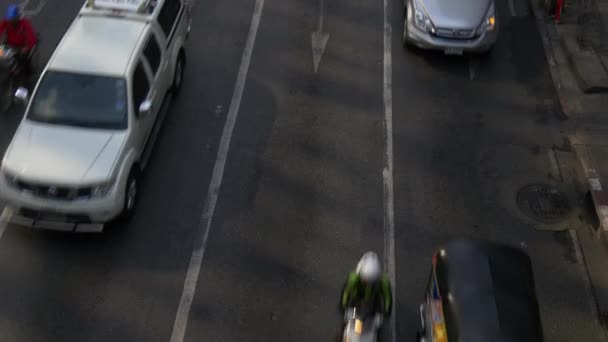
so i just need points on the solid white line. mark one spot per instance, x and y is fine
(512, 8)
(387, 173)
(183, 311)
(4, 217)
(321, 15)
(589, 289)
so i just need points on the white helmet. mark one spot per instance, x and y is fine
(369, 267)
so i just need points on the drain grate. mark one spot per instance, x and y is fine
(543, 203)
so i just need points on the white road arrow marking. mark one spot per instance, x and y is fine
(319, 38)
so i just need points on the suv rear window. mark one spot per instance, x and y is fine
(73, 99)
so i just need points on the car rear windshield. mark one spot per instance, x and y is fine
(73, 99)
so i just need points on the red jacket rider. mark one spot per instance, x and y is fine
(19, 31)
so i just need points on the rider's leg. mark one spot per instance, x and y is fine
(26, 61)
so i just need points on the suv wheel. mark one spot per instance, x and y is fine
(178, 75)
(131, 193)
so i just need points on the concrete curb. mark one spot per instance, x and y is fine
(600, 199)
(566, 84)
(599, 194)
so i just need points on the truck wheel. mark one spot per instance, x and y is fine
(178, 75)
(131, 195)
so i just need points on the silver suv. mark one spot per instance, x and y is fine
(89, 126)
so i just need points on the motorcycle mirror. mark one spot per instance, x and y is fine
(22, 95)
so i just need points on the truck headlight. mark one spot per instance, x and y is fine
(10, 178)
(102, 189)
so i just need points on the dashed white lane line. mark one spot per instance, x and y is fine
(512, 8)
(387, 173)
(4, 217)
(204, 226)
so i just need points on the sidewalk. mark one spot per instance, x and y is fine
(578, 61)
(577, 55)
(580, 34)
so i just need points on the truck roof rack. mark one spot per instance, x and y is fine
(122, 7)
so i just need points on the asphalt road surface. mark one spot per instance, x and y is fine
(301, 194)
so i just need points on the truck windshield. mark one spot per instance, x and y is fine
(73, 99)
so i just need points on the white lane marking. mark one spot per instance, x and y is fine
(588, 286)
(32, 12)
(473, 67)
(387, 173)
(321, 15)
(512, 8)
(4, 217)
(319, 38)
(204, 226)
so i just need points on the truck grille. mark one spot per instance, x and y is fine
(454, 33)
(53, 192)
(54, 217)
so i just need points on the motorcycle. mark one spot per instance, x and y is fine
(10, 71)
(13, 74)
(358, 328)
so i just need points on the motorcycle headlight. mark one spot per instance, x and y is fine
(421, 18)
(489, 22)
(101, 189)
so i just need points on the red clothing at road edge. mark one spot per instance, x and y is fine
(20, 35)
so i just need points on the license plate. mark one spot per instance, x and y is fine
(52, 216)
(453, 51)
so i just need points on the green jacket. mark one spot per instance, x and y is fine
(356, 291)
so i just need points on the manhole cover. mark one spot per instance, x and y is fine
(543, 203)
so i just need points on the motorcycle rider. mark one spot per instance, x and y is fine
(367, 288)
(19, 35)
